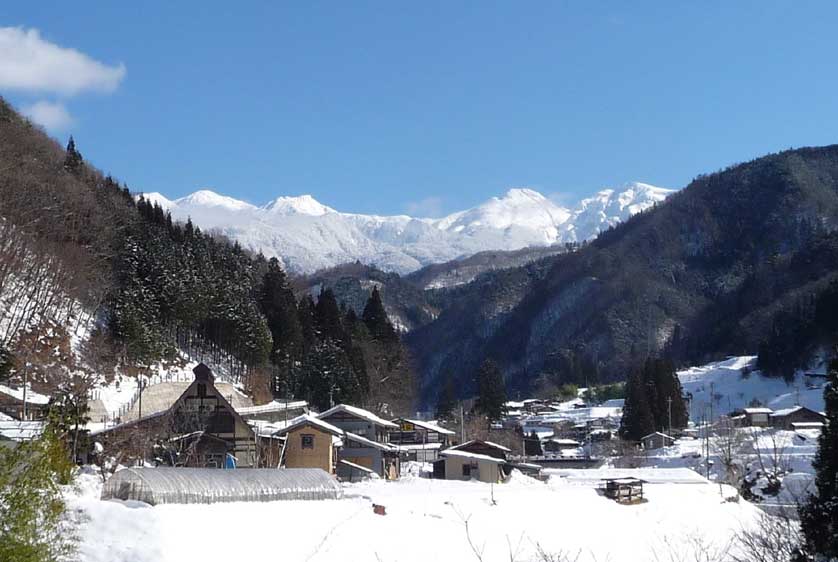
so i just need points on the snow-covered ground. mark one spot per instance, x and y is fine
(425, 520)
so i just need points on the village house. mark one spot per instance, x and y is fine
(200, 429)
(419, 440)
(784, 419)
(557, 445)
(656, 440)
(310, 443)
(275, 411)
(365, 441)
(757, 417)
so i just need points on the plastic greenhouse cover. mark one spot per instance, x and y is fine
(210, 485)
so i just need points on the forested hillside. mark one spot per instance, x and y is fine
(118, 284)
(709, 272)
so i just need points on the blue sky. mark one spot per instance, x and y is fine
(428, 106)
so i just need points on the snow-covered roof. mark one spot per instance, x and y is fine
(474, 456)
(787, 411)
(270, 407)
(758, 410)
(430, 426)
(494, 445)
(32, 397)
(363, 469)
(308, 419)
(558, 441)
(420, 447)
(358, 412)
(369, 443)
(657, 433)
(21, 430)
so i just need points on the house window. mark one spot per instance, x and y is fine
(307, 440)
(467, 470)
(202, 390)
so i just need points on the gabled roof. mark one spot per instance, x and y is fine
(489, 443)
(788, 411)
(474, 456)
(657, 433)
(203, 375)
(358, 413)
(429, 426)
(308, 419)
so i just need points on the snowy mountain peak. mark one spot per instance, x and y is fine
(307, 235)
(301, 205)
(159, 199)
(207, 198)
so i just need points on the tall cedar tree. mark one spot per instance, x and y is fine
(637, 420)
(328, 318)
(652, 393)
(491, 391)
(447, 400)
(376, 320)
(819, 517)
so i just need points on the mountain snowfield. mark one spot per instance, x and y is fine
(307, 235)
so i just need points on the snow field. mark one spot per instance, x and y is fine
(425, 521)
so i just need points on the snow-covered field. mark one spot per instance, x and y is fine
(425, 521)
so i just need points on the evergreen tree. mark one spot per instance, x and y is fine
(665, 394)
(328, 317)
(637, 420)
(277, 303)
(447, 400)
(819, 517)
(73, 160)
(491, 398)
(532, 445)
(6, 363)
(376, 320)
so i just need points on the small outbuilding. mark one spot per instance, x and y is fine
(463, 465)
(657, 440)
(156, 486)
(310, 443)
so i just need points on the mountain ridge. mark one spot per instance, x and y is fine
(307, 235)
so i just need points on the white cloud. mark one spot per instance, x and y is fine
(427, 207)
(53, 116)
(31, 64)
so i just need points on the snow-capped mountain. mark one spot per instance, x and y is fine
(307, 235)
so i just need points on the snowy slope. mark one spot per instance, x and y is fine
(308, 235)
(730, 390)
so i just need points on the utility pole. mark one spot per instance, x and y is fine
(669, 409)
(25, 370)
(462, 425)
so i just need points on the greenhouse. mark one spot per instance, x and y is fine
(211, 485)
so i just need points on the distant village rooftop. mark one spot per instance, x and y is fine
(358, 412)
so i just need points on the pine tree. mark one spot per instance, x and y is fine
(637, 421)
(819, 517)
(447, 400)
(376, 320)
(73, 160)
(491, 398)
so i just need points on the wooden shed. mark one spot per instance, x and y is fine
(784, 419)
(463, 465)
(624, 490)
